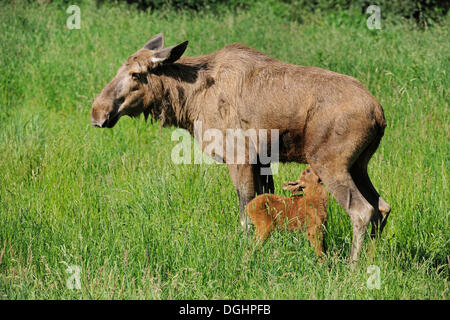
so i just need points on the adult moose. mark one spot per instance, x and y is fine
(326, 119)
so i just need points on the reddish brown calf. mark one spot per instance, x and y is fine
(269, 211)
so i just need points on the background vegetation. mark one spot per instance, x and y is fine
(424, 12)
(139, 226)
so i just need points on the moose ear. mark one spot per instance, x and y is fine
(155, 43)
(170, 54)
(293, 186)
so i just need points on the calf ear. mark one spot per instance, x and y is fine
(155, 43)
(170, 54)
(293, 186)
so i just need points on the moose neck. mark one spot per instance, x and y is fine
(175, 90)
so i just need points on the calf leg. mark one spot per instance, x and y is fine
(263, 222)
(315, 237)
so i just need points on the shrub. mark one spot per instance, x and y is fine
(424, 12)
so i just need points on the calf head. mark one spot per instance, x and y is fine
(307, 178)
(136, 87)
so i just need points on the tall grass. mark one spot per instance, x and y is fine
(139, 226)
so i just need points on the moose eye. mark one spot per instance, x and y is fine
(118, 102)
(139, 77)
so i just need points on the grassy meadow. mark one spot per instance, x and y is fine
(140, 227)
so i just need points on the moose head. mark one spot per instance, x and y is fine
(136, 86)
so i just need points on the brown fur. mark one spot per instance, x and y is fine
(269, 211)
(326, 119)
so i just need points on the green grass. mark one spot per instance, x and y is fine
(139, 226)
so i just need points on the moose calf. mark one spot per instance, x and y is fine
(269, 211)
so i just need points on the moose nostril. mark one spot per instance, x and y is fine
(99, 124)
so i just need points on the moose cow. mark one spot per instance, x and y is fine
(325, 119)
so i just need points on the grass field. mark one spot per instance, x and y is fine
(139, 226)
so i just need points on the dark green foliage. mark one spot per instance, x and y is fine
(197, 5)
(423, 11)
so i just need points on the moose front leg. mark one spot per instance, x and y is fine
(263, 175)
(245, 181)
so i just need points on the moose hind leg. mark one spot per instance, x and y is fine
(364, 184)
(340, 184)
(382, 209)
